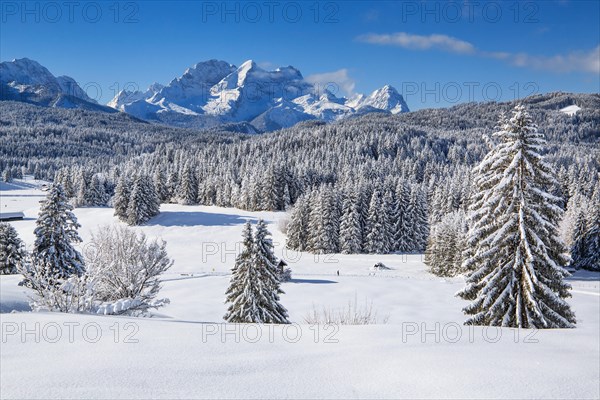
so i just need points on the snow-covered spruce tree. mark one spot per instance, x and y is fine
(350, 226)
(121, 197)
(244, 289)
(12, 251)
(187, 192)
(97, 192)
(143, 202)
(586, 247)
(389, 206)
(160, 183)
(417, 220)
(266, 261)
(402, 227)
(516, 258)
(7, 175)
(446, 245)
(578, 249)
(298, 225)
(250, 296)
(324, 221)
(54, 256)
(378, 240)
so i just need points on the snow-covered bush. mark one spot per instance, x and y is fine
(126, 269)
(122, 276)
(379, 266)
(74, 294)
(352, 314)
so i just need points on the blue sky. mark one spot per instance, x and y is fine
(435, 53)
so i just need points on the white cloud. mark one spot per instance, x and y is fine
(420, 42)
(336, 79)
(577, 61)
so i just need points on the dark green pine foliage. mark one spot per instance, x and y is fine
(53, 253)
(515, 254)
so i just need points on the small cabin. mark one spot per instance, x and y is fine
(11, 216)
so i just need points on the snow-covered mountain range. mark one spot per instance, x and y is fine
(208, 94)
(216, 92)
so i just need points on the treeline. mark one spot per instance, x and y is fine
(335, 168)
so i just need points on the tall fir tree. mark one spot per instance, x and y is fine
(160, 183)
(350, 227)
(324, 221)
(516, 255)
(143, 202)
(446, 244)
(377, 240)
(187, 192)
(97, 196)
(297, 229)
(578, 249)
(53, 253)
(402, 223)
(266, 262)
(121, 197)
(253, 293)
(417, 220)
(12, 252)
(586, 248)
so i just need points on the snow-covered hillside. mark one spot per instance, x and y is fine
(185, 351)
(214, 92)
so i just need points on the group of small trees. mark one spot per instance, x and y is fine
(360, 219)
(123, 268)
(255, 286)
(11, 173)
(136, 201)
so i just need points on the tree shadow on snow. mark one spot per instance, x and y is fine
(583, 275)
(315, 281)
(197, 218)
(17, 185)
(10, 306)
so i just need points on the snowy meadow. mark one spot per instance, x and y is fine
(184, 350)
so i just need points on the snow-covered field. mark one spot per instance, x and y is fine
(185, 351)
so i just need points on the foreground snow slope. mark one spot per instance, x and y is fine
(185, 351)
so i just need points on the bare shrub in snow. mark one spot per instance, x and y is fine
(73, 294)
(122, 277)
(352, 314)
(126, 269)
